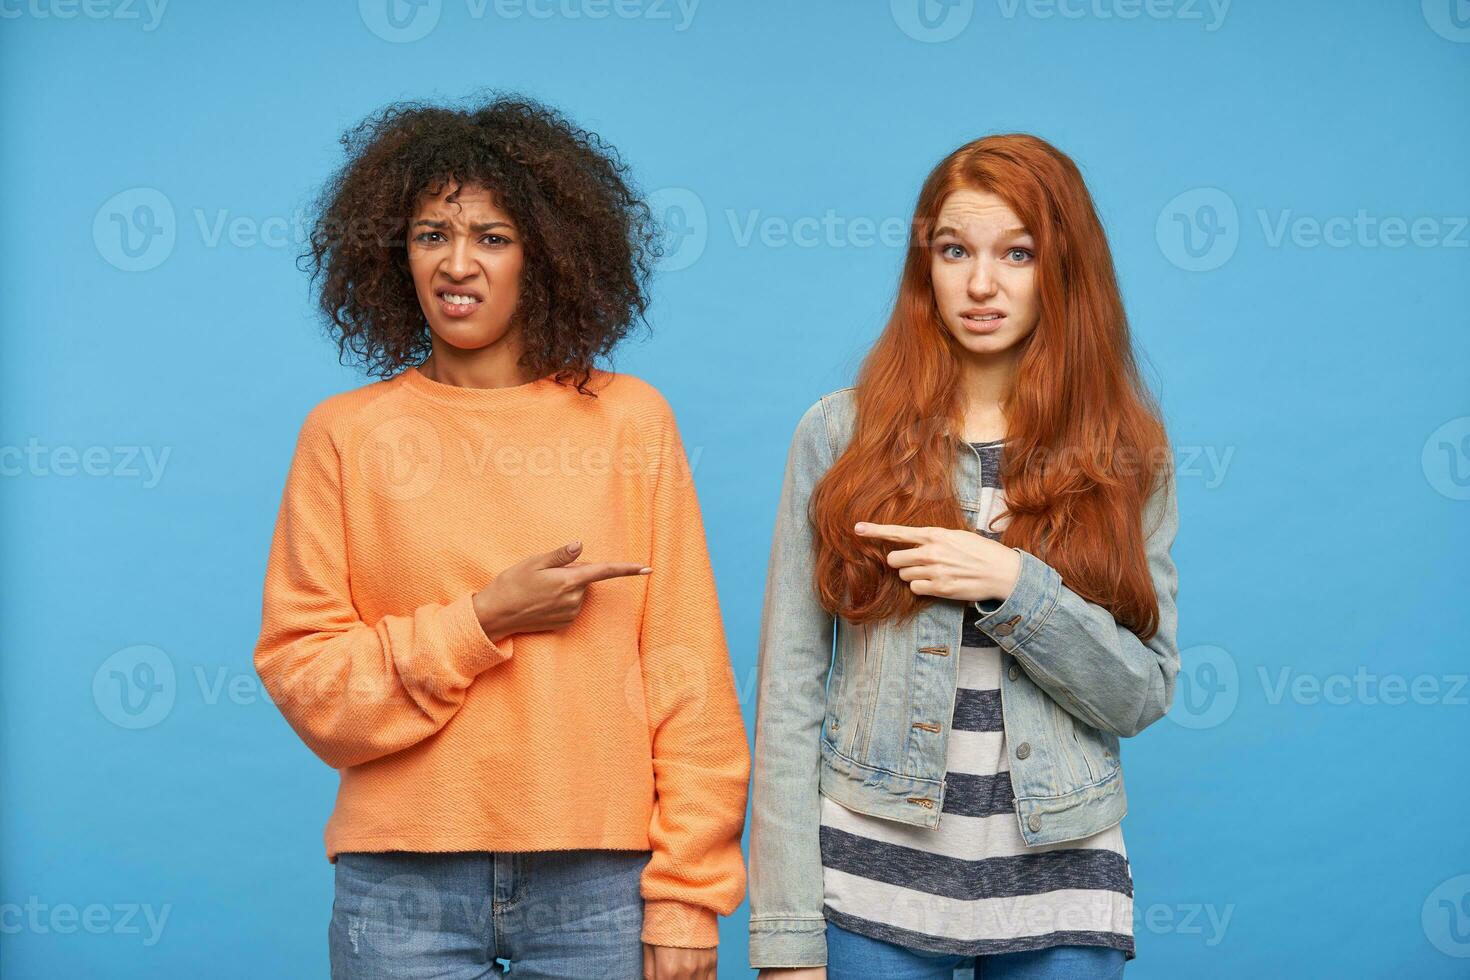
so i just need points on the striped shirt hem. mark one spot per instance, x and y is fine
(978, 947)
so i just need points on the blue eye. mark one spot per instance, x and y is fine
(1025, 252)
(952, 251)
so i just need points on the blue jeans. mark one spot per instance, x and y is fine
(566, 914)
(851, 956)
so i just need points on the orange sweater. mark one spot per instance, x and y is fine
(404, 498)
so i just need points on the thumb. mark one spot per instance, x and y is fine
(564, 555)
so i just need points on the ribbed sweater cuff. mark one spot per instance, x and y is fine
(472, 650)
(667, 922)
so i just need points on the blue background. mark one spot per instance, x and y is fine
(1318, 395)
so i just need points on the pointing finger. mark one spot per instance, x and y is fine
(893, 532)
(597, 571)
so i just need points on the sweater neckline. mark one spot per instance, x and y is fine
(459, 396)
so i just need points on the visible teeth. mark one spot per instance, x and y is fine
(988, 316)
(457, 299)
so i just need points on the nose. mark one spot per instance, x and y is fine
(459, 264)
(981, 284)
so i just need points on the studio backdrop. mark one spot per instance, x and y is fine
(1285, 191)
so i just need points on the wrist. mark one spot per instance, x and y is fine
(488, 612)
(1007, 576)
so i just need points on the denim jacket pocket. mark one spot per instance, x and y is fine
(851, 690)
(1100, 748)
(1095, 755)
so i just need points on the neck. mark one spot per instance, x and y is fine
(985, 382)
(494, 366)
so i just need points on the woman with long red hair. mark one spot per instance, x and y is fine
(970, 600)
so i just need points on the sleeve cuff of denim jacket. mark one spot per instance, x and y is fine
(788, 943)
(1022, 613)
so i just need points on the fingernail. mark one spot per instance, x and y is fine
(861, 527)
(575, 546)
(644, 571)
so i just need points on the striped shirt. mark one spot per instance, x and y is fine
(973, 886)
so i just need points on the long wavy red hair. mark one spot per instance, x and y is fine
(1084, 442)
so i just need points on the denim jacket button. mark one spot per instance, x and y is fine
(1034, 822)
(1023, 750)
(1014, 673)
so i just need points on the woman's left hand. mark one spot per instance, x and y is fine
(947, 563)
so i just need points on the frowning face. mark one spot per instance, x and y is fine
(465, 257)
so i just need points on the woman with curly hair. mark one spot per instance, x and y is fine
(488, 600)
(975, 541)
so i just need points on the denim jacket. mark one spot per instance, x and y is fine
(874, 736)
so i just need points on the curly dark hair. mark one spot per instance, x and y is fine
(589, 239)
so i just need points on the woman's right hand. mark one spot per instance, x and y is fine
(792, 973)
(543, 592)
